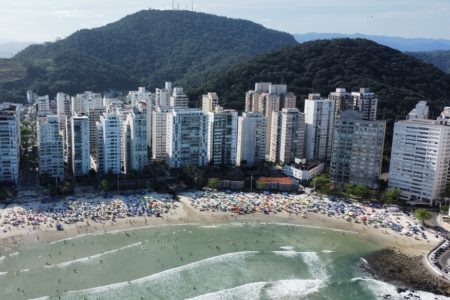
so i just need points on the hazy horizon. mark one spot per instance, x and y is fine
(48, 20)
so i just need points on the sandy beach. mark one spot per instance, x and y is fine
(184, 213)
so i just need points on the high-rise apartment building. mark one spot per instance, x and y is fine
(81, 159)
(162, 96)
(136, 140)
(288, 136)
(82, 103)
(9, 142)
(366, 102)
(209, 102)
(343, 99)
(63, 109)
(319, 119)
(420, 160)
(357, 150)
(222, 136)
(179, 98)
(251, 143)
(109, 143)
(51, 148)
(43, 104)
(159, 133)
(187, 138)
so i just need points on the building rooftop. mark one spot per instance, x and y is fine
(280, 180)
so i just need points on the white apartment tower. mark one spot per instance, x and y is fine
(82, 103)
(51, 148)
(43, 103)
(357, 150)
(251, 143)
(287, 136)
(137, 140)
(179, 98)
(420, 112)
(81, 162)
(420, 160)
(143, 98)
(159, 133)
(187, 138)
(109, 143)
(162, 96)
(366, 102)
(222, 136)
(9, 143)
(209, 102)
(319, 119)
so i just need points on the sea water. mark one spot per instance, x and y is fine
(228, 261)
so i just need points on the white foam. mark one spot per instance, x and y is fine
(3, 273)
(327, 251)
(42, 298)
(14, 254)
(234, 258)
(315, 265)
(290, 253)
(24, 270)
(284, 289)
(92, 257)
(380, 289)
(246, 291)
(364, 261)
(287, 247)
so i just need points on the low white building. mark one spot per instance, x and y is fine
(303, 171)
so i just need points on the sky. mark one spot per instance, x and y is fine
(47, 20)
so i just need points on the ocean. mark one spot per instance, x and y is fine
(227, 261)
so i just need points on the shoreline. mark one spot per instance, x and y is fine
(184, 214)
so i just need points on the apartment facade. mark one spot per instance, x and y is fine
(9, 143)
(187, 138)
(51, 148)
(319, 119)
(251, 143)
(81, 161)
(357, 150)
(222, 136)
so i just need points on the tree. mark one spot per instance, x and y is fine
(104, 185)
(422, 214)
(391, 196)
(213, 183)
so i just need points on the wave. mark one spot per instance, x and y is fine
(14, 254)
(287, 248)
(287, 253)
(3, 274)
(274, 290)
(246, 291)
(92, 257)
(380, 289)
(327, 251)
(234, 259)
(284, 289)
(315, 265)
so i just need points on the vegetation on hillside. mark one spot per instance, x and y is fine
(142, 49)
(440, 59)
(321, 66)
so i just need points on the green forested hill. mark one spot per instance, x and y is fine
(321, 66)
(145, 48)
(440, 59)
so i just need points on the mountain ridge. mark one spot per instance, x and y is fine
(144, 49)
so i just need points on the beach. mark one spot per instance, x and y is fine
(184, 213)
